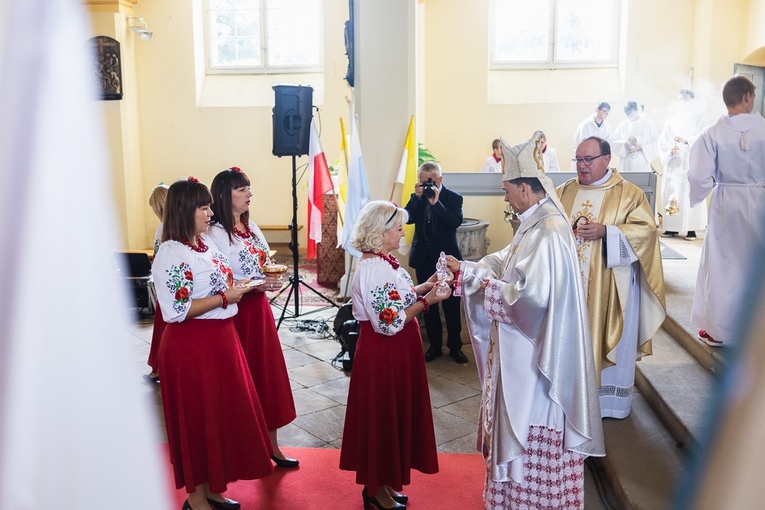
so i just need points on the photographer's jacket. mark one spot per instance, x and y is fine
(435, 227)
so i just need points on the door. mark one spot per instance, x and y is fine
(757, 75)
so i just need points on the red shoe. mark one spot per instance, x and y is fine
(704, 337)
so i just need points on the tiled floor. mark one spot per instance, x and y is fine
(320, 388)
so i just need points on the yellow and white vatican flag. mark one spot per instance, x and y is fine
(75, 422)
(407, 176)
(342, 180)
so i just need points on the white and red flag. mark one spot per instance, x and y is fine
(319, 183)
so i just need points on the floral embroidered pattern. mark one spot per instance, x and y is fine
(494, 304)
(180, 284)
(224, 277)
(387, 304)
(251, 258)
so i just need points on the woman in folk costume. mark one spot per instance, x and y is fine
(527, 317)
(388, 422)
(243, 243)
(216, 432)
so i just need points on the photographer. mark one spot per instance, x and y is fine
(436, 213)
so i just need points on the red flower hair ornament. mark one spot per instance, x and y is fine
(235, 169)
(193, 179)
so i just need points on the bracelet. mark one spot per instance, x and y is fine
(224, 299)
(424, 302)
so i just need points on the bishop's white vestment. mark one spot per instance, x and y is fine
(531, 339)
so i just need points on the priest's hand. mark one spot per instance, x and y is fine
(591, 231)
(452, 263)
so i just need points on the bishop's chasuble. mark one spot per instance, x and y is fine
(530, 335)
(623, 279)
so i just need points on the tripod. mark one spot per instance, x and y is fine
(295, 281)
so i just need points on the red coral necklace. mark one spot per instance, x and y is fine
(244, 235)
(390, 259)
(201, 247)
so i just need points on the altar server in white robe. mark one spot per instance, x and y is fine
(679, 134)
(594, 125)
(634, 141)
(527, 317)
(729, 161)
(620, 259)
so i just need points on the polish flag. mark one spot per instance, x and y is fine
(319, 182)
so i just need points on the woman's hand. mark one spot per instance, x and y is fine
(433, 297)
(270, 284)
(235, 293)
(452, 263)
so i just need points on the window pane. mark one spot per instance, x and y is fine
(585, 30)
(223, 52)
(521, 30)
(294, 33)
(248, 23)
(221, 4)
(248, 51)
(221, 24)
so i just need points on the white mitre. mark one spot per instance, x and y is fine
(525, 160)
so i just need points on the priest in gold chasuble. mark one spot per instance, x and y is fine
(617, 245)
(527, 316)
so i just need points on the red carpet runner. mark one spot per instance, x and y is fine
(318, 484)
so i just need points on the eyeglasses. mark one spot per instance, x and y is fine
(586, 161)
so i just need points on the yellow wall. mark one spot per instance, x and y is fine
(160, 132)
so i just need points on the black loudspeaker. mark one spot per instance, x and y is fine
(292, 114)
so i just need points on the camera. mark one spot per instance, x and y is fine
(429, 189)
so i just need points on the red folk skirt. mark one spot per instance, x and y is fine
(156, 338)
(215, 427)
(388, 422)
(260, 342)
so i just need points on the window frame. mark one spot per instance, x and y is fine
(551, 62)
(265, 68)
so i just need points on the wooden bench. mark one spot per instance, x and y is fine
(277, 234)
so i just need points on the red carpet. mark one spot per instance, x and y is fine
(318, 484)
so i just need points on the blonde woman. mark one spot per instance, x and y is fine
(388, 422)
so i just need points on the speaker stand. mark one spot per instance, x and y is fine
(295, 281)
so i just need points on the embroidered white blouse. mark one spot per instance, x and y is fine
(245, 255)
(182, 274)
(380, 295)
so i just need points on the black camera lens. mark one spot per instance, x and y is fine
(429, 189)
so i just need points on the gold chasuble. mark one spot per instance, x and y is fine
(622, 204)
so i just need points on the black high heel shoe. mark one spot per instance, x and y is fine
(398, 497)
(229, 504)
(370, 501)
(285, 463)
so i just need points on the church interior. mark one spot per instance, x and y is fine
(433, 59)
